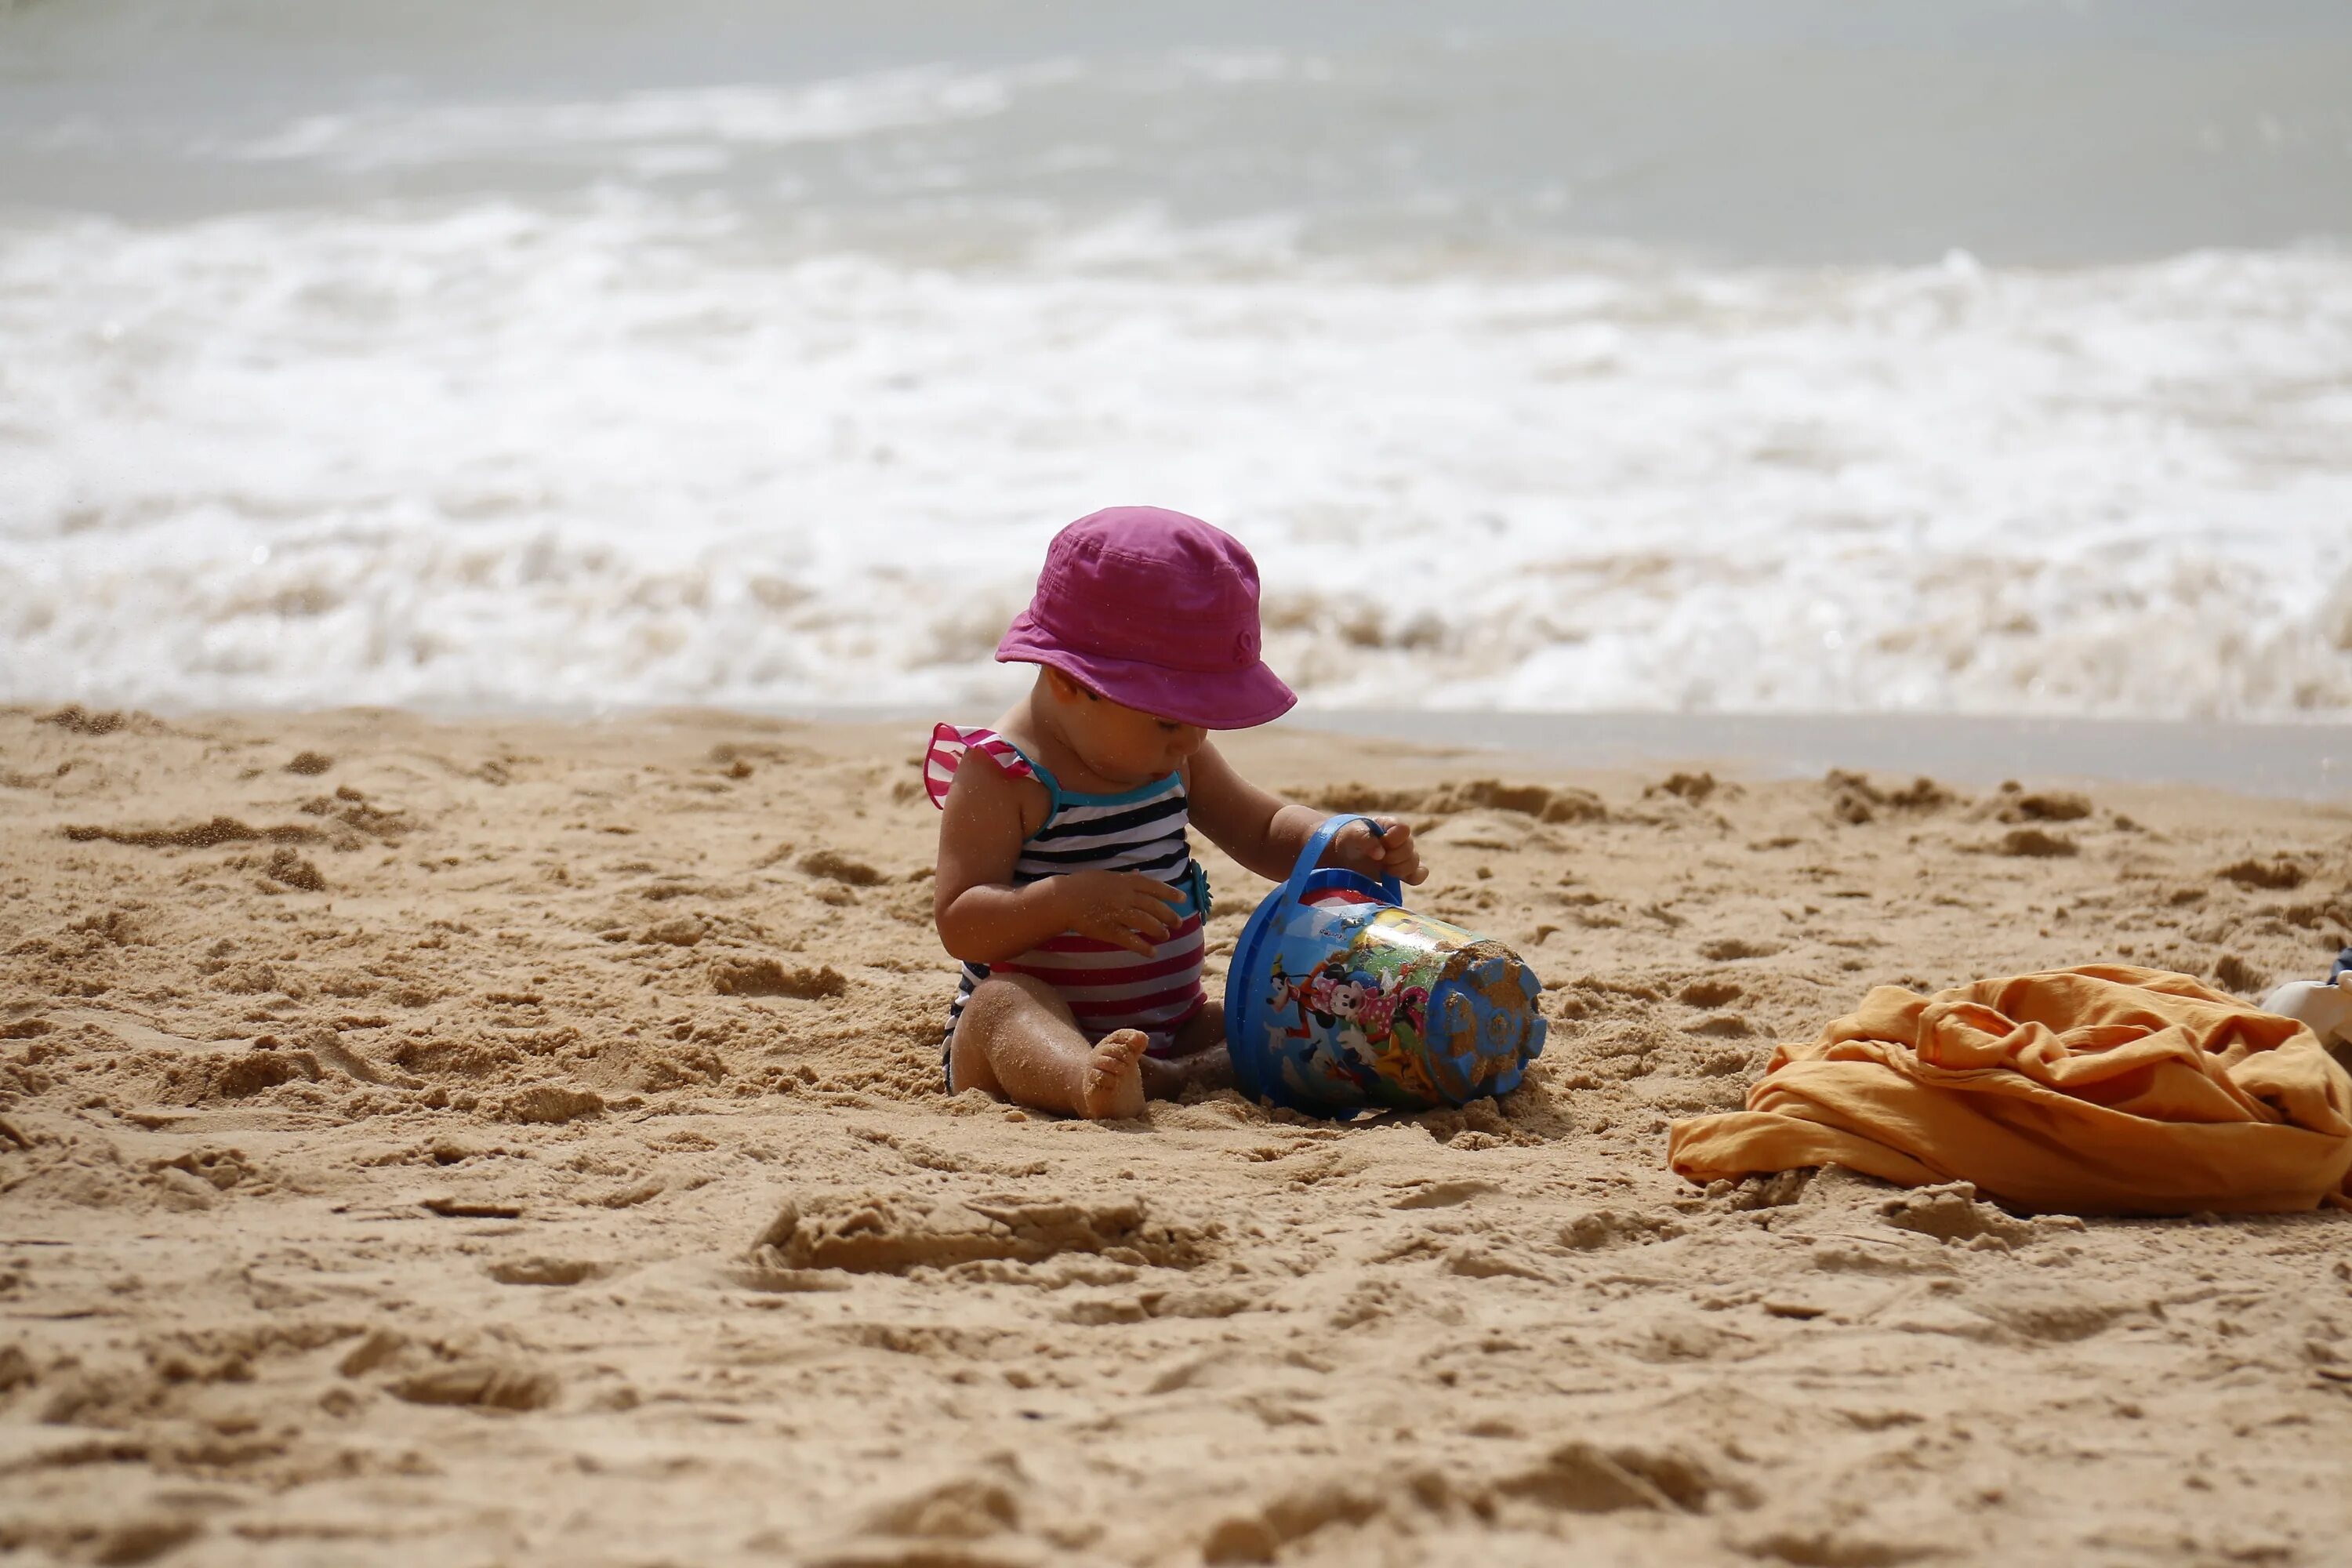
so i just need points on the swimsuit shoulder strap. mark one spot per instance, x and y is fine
(950, 746)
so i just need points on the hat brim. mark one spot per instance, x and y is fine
(1229, 699)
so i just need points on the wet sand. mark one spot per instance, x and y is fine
(393, 1113)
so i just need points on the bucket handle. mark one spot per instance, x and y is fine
(1311, 853)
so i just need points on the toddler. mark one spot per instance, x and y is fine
(1067, 884)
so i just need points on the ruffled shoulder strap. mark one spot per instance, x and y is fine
(949, 747)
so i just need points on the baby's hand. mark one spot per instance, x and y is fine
(1125, 909)
(1390, 852)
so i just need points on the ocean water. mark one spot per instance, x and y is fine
(1790, 355)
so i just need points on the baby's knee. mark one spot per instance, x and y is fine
(995, 1000)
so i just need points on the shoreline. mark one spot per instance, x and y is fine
(2308, 760)
(2303, 762)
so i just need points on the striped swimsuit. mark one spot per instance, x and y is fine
(1106, 987)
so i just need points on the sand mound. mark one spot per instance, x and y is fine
(868, 1234)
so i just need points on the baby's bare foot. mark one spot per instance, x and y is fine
(1111, 1087)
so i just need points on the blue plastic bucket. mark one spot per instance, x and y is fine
(1339, 1000)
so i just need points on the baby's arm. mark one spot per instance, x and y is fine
(984, 919)
(1266, 833)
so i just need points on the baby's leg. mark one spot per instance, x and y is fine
(1199, 1061)
(1017, 1039)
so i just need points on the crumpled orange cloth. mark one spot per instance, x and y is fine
(2104, 1090)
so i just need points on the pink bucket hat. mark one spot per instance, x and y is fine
(1156, 610)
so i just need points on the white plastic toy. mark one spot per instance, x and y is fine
(2325, 1005)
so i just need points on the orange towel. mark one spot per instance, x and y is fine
(2104, 1089)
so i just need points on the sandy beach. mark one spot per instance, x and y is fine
(1837, 496)
(502, 1142)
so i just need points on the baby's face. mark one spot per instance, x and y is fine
(1125, 744)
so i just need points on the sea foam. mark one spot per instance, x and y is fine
(623, 447)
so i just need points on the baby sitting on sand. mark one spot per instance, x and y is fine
(1066, 882)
